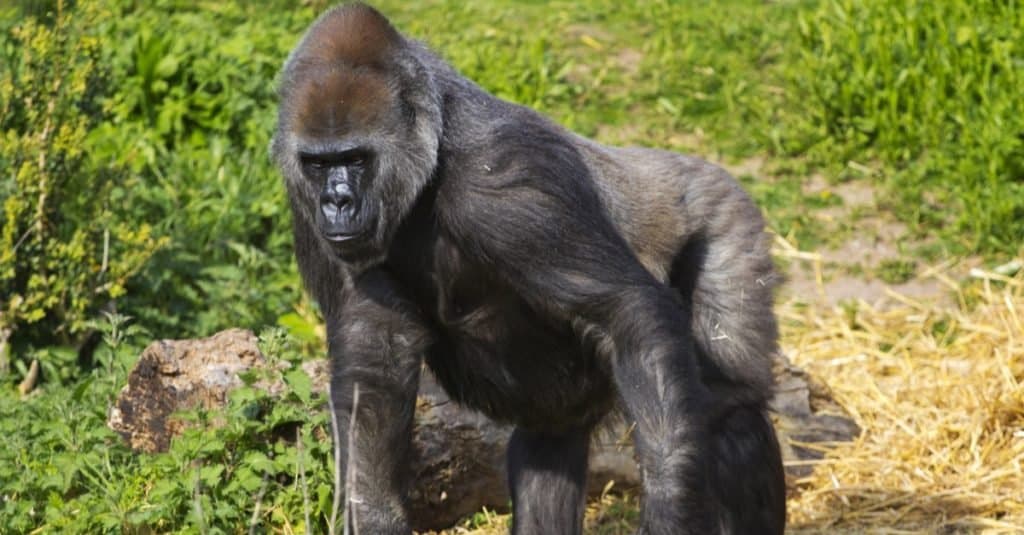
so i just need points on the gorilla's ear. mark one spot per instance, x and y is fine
(354, 34)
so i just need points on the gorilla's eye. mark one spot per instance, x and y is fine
(352, 158)
(312, 165)
(318, 162)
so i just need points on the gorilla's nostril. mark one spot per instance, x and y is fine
(329, 209)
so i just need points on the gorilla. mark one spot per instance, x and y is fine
(546, 280)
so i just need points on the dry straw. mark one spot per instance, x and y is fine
(938, 392)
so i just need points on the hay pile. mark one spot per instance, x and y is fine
(939, 393)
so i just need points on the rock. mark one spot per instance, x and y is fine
(459, 460)
(804, 413)
(459, 455)
(173, 375)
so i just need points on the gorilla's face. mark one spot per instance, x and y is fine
(345, 214)
(346, 188)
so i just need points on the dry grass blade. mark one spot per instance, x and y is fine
(351, 467)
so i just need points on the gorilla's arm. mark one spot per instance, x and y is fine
(376, 346)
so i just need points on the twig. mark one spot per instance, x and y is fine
(106, 250)
(254, 520)
(336, 436)
(350, 471)
(31, 229)
(302, 478)
(31, 377)
(5, 348)
(197, 505)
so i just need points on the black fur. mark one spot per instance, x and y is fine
(543, 278)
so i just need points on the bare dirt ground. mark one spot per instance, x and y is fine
(846, 272)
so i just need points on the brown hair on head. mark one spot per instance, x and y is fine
(338, 78)
(340, 101)
(354, 34)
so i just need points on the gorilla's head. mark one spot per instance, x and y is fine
(358, 130)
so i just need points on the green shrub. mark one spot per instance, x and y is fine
(66, 246)
(193, 116)
(160, 200)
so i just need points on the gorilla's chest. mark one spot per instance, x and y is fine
(499, 354)
(490, 329)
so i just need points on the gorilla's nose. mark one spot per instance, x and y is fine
(336, 201)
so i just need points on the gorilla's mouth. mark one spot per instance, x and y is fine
(339, 237)
(349, 230)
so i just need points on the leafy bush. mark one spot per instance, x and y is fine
(67, 247)
(142, 183)
(193, 116)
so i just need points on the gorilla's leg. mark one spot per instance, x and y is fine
(735, 335)
(745, 473)
(547, 479)
(665, 399)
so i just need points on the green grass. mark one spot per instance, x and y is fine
(63, 470)
(896, 271)
(166, 131)
(932, 92)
